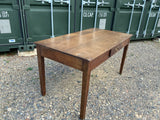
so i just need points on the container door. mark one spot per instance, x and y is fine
(94, 14)
(41, 24)
(129, 17)
(152, 26)
(11, 34)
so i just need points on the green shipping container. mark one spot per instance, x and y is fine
(11, 34)
(41, 22)
(22, 22)
(94, 14)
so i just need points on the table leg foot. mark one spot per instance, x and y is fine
(43, 93)
(123, 58)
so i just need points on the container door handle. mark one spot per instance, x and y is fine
(129, 4)
(140, 22)
(62, 1)
(43, 1)
(145, 31)
(140, 5)
(153, 31)
(52, 23)
(83, 2)
(131, 17)
(97, 4)
(69, 12)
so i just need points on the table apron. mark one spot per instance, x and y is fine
(63, 58)
(76, 62)
(118, 47)
(96, 62)
(102, 58)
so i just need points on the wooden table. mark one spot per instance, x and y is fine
(84, 51)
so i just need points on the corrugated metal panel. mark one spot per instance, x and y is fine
(138, 17)
(38, 19)
(129, 17)
(94, 14)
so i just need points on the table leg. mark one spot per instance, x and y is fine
(41, 67)
(123, 58)
(84, 94)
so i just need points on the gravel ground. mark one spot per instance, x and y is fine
(134, 95)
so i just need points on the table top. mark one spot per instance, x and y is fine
(87, 44)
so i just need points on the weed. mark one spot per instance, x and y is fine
(29, 69)
(6, 61)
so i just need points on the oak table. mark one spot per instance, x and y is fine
(84, 51)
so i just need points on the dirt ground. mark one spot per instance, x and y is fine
(134, 95)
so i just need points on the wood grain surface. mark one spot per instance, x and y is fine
(87, 44)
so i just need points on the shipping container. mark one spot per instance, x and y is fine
(11, 28)
(22, 22)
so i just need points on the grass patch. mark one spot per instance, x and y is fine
(6, 61)
(29, 69)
